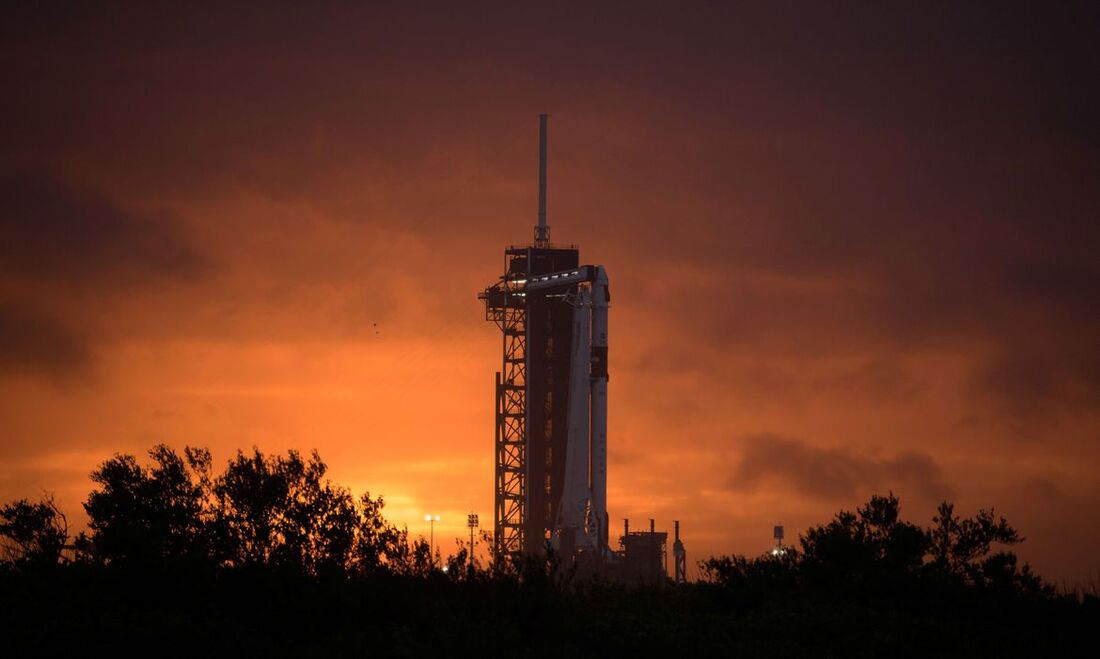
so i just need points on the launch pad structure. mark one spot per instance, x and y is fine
(550, 438)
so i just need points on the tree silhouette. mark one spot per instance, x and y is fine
(269, 557)
(871, 545)
(872, 552)
(962, 547)
(277, 511)
(33, 533)
(379, 546)
(959, 545)
(412, 560)
(280, 511)
(150, 514)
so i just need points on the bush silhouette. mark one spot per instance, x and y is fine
(280, 511)
(145, 515)
(269, 557)
(33, 533)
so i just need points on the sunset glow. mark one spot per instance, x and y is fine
(836, 270)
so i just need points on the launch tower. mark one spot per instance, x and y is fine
(550, 483)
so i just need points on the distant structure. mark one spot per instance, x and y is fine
(550, 439)
(777, 534)
(643, 557)
(679, 557)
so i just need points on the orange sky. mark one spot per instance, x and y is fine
(849, 253)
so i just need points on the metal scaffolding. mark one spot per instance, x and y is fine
(504, 305)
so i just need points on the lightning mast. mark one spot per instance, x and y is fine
(542, 230)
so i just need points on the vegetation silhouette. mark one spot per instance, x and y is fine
(270, 558)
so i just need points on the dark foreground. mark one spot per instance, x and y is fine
(268, 558)
(90, 609)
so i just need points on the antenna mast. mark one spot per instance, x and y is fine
(542, 230)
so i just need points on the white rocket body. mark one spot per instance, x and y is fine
(576, 493)
(581, 522)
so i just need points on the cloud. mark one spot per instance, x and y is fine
(831, 473)
(878, 381)
(38, 344)
(1027, 384)
(70, 256)
(53, 230)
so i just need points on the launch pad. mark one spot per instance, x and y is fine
(550, 439)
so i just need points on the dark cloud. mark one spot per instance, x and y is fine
(1027, 383)
(37, 344)
(832, 473)
(53, 230)
(69, 257)
(878, 381)
(1063, 288)
(1045, 490)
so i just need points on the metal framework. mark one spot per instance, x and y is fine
(504, 305)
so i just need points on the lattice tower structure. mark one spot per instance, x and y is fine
(531, 423)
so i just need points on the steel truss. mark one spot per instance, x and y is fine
(505, 306)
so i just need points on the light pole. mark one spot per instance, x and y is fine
(471, 521)
(432, 519)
